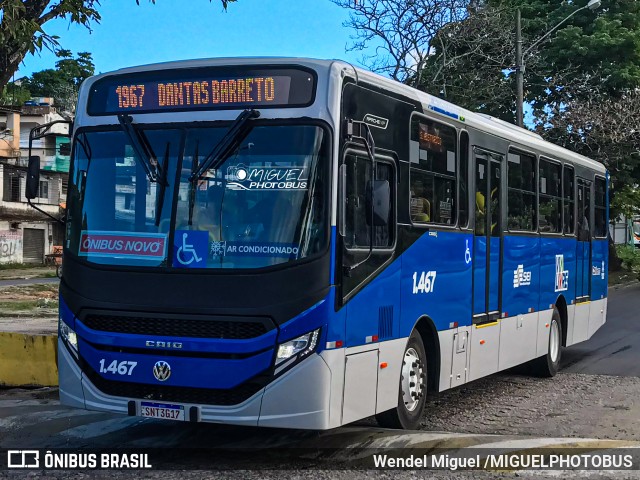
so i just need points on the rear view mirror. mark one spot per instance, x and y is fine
(381, 204)
(65, 149)
(33, 178)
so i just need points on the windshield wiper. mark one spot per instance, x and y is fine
(229, 143)
(143, 149)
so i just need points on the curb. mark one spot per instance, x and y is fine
(28, 360)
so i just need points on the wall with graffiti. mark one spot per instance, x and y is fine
(10, 246)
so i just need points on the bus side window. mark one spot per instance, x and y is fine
(550, 197)
(600, 221)
(521, 182)
(569, 197)
(433, 175)
(463, 193)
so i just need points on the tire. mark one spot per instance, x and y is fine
(549, 364)
(412, 396)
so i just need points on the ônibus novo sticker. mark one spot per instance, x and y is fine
(148, 246)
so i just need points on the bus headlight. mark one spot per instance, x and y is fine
(298, 347)
(69, 337)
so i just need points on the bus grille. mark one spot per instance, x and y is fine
(175, 327)
(203, 396)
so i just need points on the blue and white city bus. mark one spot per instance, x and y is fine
(300, 243)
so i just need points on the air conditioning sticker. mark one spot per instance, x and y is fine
(253, 249)
(144, 246)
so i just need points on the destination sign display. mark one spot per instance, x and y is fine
(201, 89)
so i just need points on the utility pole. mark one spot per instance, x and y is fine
(519, 73)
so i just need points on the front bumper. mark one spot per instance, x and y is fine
(300, 398)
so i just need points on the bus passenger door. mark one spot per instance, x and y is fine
(487, 242)
(485, 334)
(583, 255)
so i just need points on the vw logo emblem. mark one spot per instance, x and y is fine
(162, 371)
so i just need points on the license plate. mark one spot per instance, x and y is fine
(164, 411)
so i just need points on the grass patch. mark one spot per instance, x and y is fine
(29, 308)
(17, 266)
(38, 300)
(621, 277)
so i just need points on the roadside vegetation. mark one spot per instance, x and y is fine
(39, 300)
(630, 258)
(13, 271)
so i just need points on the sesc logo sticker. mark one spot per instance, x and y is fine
(521, 278)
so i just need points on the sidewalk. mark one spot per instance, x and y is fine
(30, 325)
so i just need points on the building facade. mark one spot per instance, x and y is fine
(26, 235)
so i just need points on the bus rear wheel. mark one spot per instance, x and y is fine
(412, 391)
(549, 364)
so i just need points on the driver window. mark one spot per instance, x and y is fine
(357, 191)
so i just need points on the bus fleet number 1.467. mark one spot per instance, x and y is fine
(425, 283)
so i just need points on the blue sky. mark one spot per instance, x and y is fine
(182, 29)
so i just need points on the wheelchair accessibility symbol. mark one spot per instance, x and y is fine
(190, 249)
(187, 251)
(467, 254)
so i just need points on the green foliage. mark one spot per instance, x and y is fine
(68, 71)
(630, 257)
(583, 80)
(626, 202)
(472, 61)
(13, 94)
(593, 54)
(75, 70)
(63, 82)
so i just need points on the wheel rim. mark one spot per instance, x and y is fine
(412, 379)
(554, 341)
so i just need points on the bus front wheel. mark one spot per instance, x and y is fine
(412, 391)
(549, 364)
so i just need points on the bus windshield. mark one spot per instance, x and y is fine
(265, 204)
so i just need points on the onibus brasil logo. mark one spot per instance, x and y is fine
(242, 177)
(562, 275)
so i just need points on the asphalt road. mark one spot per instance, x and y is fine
(615, 348)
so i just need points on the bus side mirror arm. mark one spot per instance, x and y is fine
(33, 186)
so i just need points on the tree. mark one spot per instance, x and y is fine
(472, 63)
(63, 82)
(606, 129)
(75, 70)
(14, 93)
(22, 27)
(401, 32)
(583, 82)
